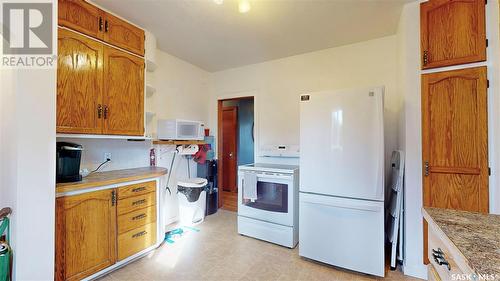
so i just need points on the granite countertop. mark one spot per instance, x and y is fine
(111, 177)
(476, 236)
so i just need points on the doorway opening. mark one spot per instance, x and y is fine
(235, 146)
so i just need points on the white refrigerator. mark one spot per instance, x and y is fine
(341, 198)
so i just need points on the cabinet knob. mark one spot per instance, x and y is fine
(106, 112)
(106, 26)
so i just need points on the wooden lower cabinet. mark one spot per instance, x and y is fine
(97, 229)
(85, 234)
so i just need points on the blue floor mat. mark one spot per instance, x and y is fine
(177, 233)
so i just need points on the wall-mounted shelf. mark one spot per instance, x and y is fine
(82, 136)
(178, 142)
(150, 90)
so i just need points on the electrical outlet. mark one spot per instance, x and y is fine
(107, 155)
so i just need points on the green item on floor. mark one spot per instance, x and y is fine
(5, 251)
(169, 235)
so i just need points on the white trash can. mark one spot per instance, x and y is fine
(192, 200)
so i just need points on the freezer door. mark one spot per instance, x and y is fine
(342, 143)
(342, 232)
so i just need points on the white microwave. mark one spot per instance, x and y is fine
(177, 129)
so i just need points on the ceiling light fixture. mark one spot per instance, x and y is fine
(218, 2)
(244, 6)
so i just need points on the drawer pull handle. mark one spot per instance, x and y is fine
(438, 252)
(139, 189)
(139, 234)
(139, 202)
(440, 259)
(138, 217)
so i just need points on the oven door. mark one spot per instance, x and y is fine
(274, 202)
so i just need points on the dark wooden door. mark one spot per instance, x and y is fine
(124, 93)
(229, 148)
(455, 141)
(81, 16)
(79, 84)
(452, 32)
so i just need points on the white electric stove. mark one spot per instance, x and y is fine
(273, 216)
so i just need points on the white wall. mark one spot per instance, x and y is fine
(27, 174)
(181, 91)
(277, 85)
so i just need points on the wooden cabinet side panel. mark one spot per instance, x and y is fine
(124, 93)
(452, 32)
(124, 35)
(81, 16)
(79, 83)
(85, 234)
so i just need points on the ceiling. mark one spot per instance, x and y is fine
(217, 37)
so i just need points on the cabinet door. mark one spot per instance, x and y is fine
(124, 93)
(85, 234)
(455, 140)
(123, 34)
(79, 84)
(452, 32)
(81, 16)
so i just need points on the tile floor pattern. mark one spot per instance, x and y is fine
(217, 252)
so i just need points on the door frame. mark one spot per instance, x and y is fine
(220, 100)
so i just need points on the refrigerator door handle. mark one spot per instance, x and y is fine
(344, 203)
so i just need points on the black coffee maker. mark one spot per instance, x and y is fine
(68, 162)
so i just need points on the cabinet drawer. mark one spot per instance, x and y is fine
(136, 219)
(136, 189)
(457, 265)
(136, 240)
(136, 202)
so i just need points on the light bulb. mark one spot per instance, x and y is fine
(218, 2)
(244, 6)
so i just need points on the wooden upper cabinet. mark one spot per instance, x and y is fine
(452, 32)
(124, 35)
(85, 234)
(82, 17)
(455, 140)
(88, 19)
(124, 88)
(79, 84)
